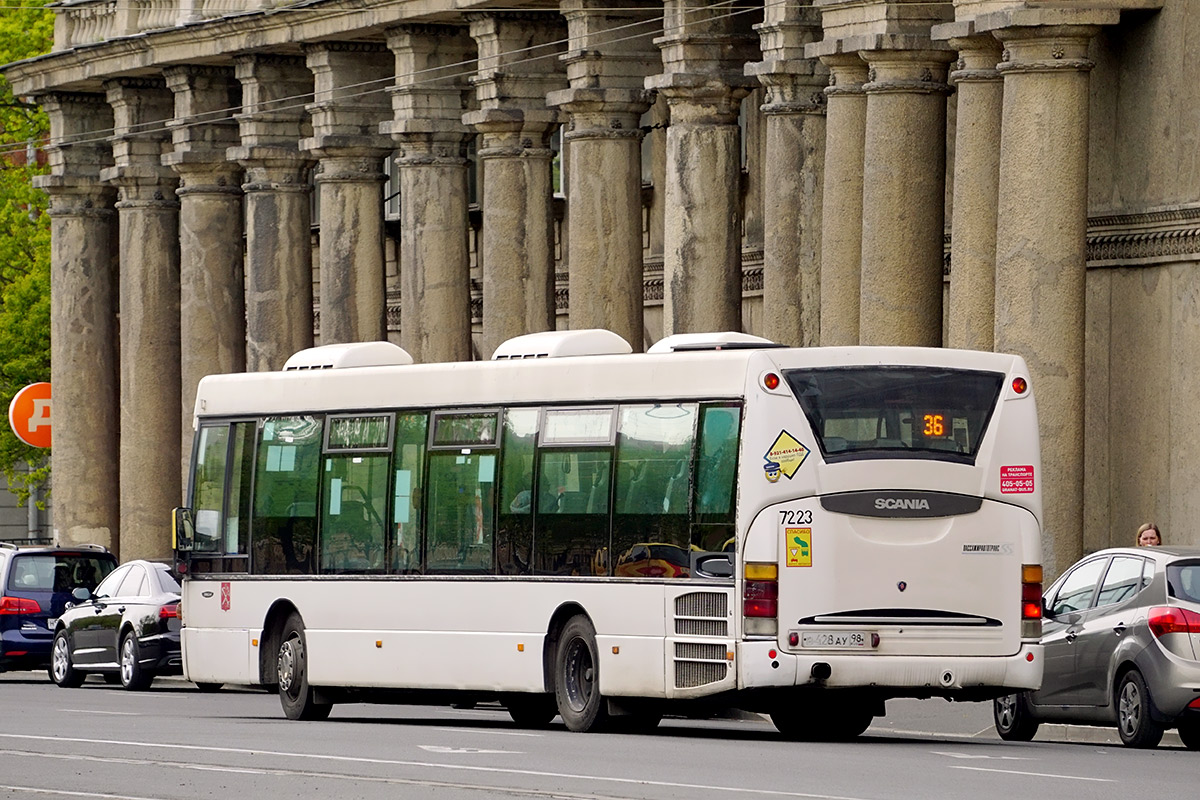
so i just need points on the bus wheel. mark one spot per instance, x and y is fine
(295, 694)
(577, 673)
(531, 710)
(1014, 723)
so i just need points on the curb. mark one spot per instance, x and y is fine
(1089, 735)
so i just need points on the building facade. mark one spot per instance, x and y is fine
(1018, 175)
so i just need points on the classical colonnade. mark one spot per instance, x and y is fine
(199, 230)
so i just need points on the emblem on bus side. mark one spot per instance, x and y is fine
(784, 457)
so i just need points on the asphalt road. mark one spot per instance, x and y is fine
(174, 742)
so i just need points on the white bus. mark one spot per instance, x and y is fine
(577, 530)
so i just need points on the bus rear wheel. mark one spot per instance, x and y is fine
(295, 695)
(577, 677)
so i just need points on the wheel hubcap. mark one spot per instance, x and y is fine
(580, 677)
(289, 655)
(127, 660)
(1130, 708)
(1007, 707)
(60, 658)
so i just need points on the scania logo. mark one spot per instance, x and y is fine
(912, 503)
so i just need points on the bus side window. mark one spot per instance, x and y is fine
(653, 481)
(514, 533)
(407, 538)
(716, 479)
(285, 491)
(208, 487)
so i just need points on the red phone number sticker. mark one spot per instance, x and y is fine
(1016, 480)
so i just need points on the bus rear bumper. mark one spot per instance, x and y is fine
(764, 665)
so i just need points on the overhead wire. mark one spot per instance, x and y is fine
(413, 78)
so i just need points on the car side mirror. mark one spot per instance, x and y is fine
(81, 593)
(183, 533)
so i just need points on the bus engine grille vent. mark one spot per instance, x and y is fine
(699, 663)
(702, 614)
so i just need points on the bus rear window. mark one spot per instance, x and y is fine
(897, 412)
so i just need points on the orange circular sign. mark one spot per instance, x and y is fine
(29, 415)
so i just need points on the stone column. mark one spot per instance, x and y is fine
(1041, 253)
(904, 197)
(348, 108)
(212, 299)
(607, 64)
(427, 107)
(704, 51)
(976, 177)
(148, 216)
(794, 169)
(842, 199)
(279, 316)
(518, 66)
(83, 322)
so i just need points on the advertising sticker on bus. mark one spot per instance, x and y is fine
(799, 547)
(785, 457)
(1016, 480)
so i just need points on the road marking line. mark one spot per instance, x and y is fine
(36, 790)
(977, 755)
(426, 765)
(111, 713)
(438, 748)
(489, 732)
(1036, 774)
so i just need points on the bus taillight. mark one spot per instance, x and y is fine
(760, 599)
(1031, 601)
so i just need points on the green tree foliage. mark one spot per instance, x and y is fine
(25, 31)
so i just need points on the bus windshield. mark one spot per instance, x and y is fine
(896, 412)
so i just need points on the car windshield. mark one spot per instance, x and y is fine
(57, 572)
(1183, 580)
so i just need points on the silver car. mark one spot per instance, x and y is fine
(1121, 632)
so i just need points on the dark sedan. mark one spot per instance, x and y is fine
(127, 629)
(1121, 634)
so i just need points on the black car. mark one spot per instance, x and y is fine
(127, 629)
(36, 585)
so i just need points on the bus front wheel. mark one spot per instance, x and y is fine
(576, 677)
(295, 695)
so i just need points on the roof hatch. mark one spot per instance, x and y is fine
(348, 356)
(559, 344)
(717, 340)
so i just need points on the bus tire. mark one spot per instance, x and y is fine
(531, 710)
(577, 677)
(1135, 715)
(1014, 721)
(295, 695)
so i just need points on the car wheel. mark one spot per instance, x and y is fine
(61, 671)
(295, 694)
(133, 676)
(577, 677)
(1014, 721)
(531, 710)
(1189, 734)
(1135, 723)
(209, 688)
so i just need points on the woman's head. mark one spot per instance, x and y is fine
(1148, 536)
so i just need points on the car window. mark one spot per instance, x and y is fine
(1075, 592)
(134, 584)
(1183, 581)
(108, 587)
(167, 581)
(1122, 581)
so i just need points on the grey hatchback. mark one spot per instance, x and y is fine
(1121, 633)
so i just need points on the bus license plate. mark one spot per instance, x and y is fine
(842, 640)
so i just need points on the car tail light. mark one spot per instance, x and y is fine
(1169, 619)
(1031, 601)
(169, 612)
(19, 605)
(760, 593)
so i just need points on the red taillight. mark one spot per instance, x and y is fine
(1168, 619)
(771, 381)
(19, 605)
(169, 612)
(1019, 385)
(760, 599)
(1031, 601)
(1195, 703)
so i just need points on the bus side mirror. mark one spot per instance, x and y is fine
(184, 530)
